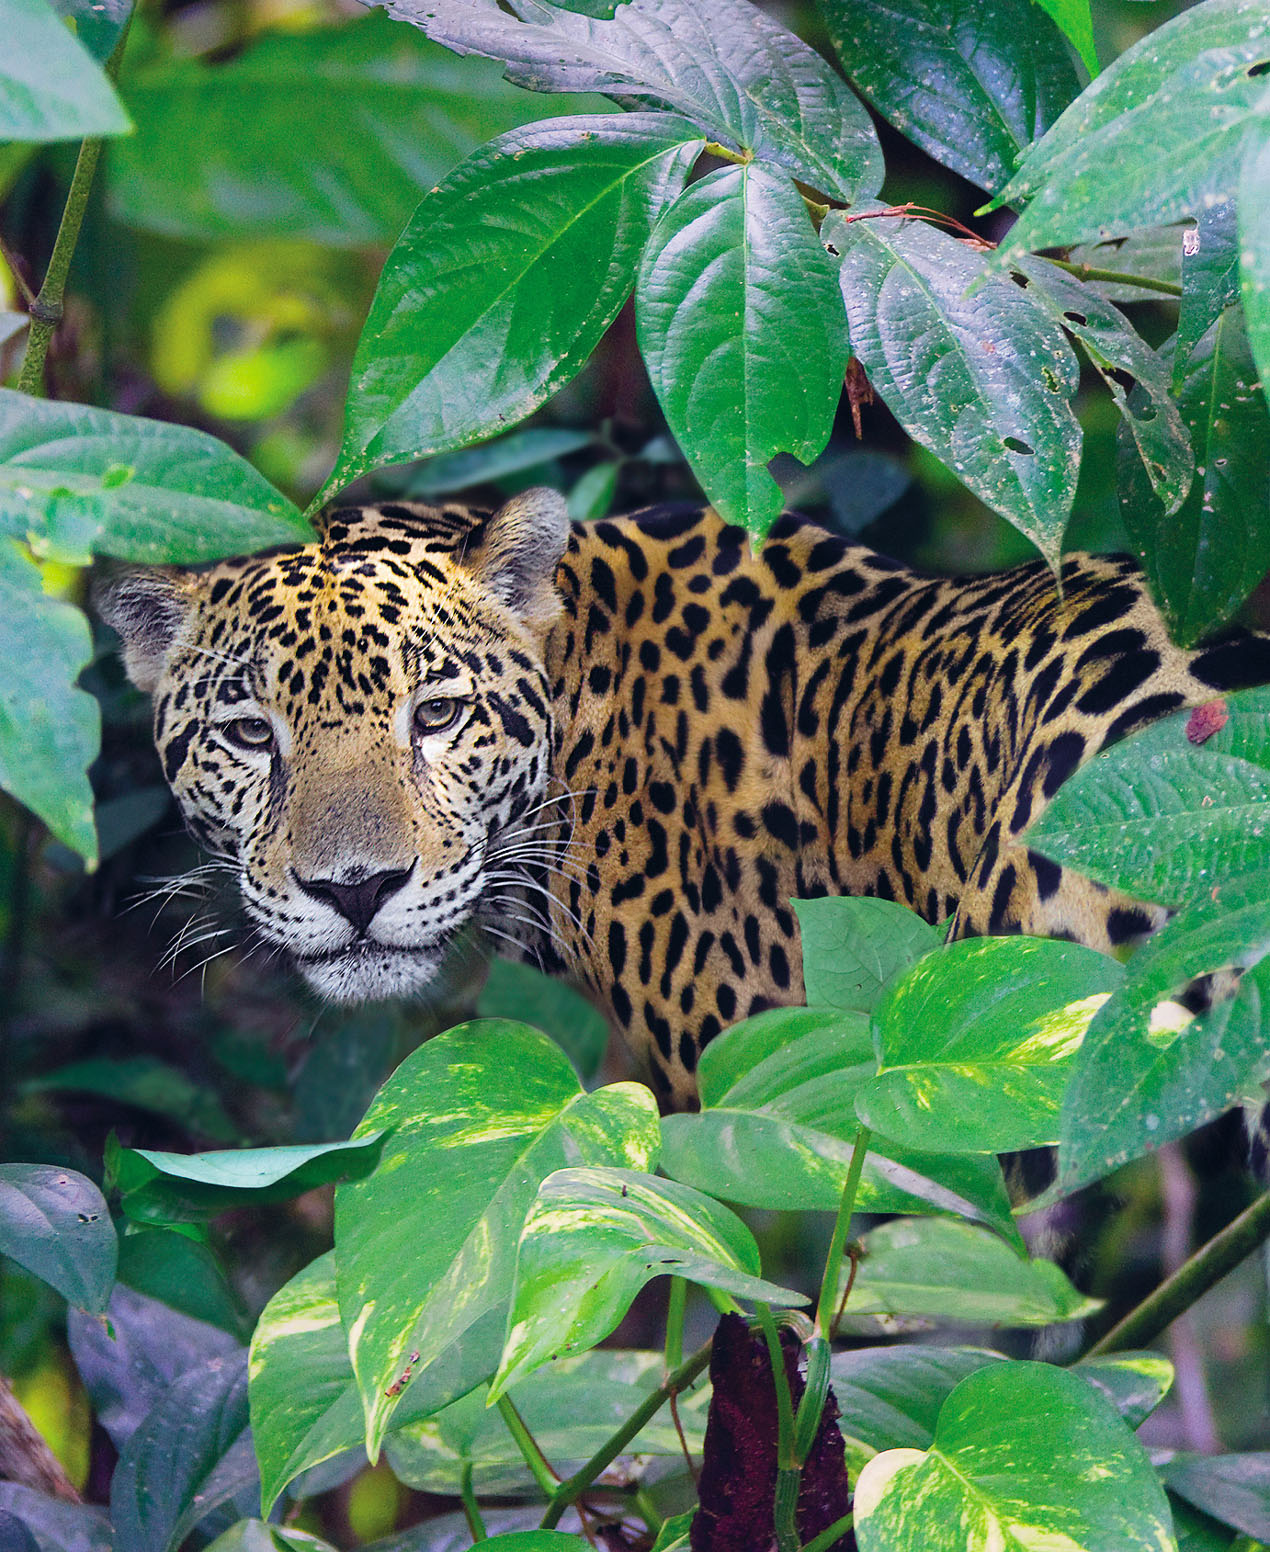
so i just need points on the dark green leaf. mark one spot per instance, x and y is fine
(592, 495)
(76, 481)
(853, 945)
(1254, 250)
(96, 23)
(1149, 1071)
(516, 453)
(1155, 253)
(189, 1455)
(61, 1527)
(184, 1273)
(973, 86)
(1162, 818)
(515, 991)
(1210, 281)
(56, 1223)
(1232, 1488)
(593, 1238)
(958, 1271)
(49, 729)
(1159, 135)
(147, 1083)
(1074, 17)
(976, 1043)
(14, 1536)
(476, 321)
(1025, 1455)
(427, 1245)
(1134, 1383)
(734, 71)
(674, 1532)
(781, 1086)
(186, 1187)
(1115, 348)
(51, 88)
(968, 364)
(742, 329)
(256, 1536)
(889, 1397)
(330, 135)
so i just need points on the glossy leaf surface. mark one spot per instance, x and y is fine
(742, 328)
(968, 364)
(1254, 250)
(51, 87)
(1232, 1488)
(854, 944)
(972, 84)
(491, 301)
(516, 991)
(55, 1223)
(1025, 1455)
(594, 1237)
(426, 1247)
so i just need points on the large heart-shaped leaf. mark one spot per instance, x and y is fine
(1025, 1455)
(742, 329)
(854, 944)
(504, 280)
(426, 1247)
(973, 85)
(968, 364)
(55, 1223)
(51, 88)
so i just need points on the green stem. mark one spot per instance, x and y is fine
(1191, 1281)
(546, 1478)
(46, 309)
(842, 1224)
(674, 1384)
(723, 154)
(830, 1534)
(471, 1509)
(787, 1471)
(675, 1323)
(1117, 277)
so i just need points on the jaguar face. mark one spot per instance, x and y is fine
(361, 727)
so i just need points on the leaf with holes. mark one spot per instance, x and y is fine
(51, 87)
(593, 1238)
(1116, 349)
(854, 944)
(504, 280)
(743, 333)
(1160, 134)
(732, 70)
(781, 1086)
(976, 1043)
(968, 364)
(972, 85)
(55, 1223)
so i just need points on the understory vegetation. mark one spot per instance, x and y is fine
(965, 1251)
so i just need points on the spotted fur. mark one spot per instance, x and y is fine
(663, 739)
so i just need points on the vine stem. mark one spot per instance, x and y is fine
(787, 1469)
(826, 1318)
(537, 1462)
(1118, 277)
(674, 1383)
(830, 1534)
(1191, 1281)
(47, 307)
(471, 1509)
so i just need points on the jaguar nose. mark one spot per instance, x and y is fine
(359, 902)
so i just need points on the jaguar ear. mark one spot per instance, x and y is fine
(147, 607)
(520, 548)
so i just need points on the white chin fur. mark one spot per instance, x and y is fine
(370, 973)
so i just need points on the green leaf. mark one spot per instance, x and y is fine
(51, 88)
(968, 364)
(516, 303)
(1074, 17)
(145, 1082)
(186, 1458)
(1155, 253)
(96, 23)
(593, 1238)
(889, 1397)
(55, 1223)
(305, 1405)
(674, 1532)
(182, 1273)
(1149, 413)
(592, 495)
(737, 74)
(1210, 281)
(972, 86)
(940, 1268)
(329, 135)
(1232, 1488)
(1159, 135)
(256, 1536)
(1148, 1071)
(742, 330)
(63, 1527)
(1254, 250)
(187, 1187)
(781, 1086)
(1163, 819)
(571, 1408)
(1134, 1383)
(515, 453)
(76, 481)
(1025, 1455)
(516, 991)
(427, 1245)
(49, 729)
(854, 944)
(976, 1043)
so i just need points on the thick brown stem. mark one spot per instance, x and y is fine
(24, 1456)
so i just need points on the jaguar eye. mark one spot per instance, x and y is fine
(254, 733)
(434, 716)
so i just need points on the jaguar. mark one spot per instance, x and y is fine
(621, 748)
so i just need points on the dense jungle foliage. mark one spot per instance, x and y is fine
(279, 1276)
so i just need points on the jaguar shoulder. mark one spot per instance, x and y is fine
(624, 746)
